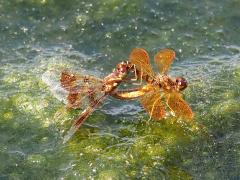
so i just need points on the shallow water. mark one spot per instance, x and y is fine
(117, 141)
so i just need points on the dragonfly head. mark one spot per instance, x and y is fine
(123, 67)
(181, 83)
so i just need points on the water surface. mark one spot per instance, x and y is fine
(117, 141)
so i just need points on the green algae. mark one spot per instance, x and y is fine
(142, 149)
(42, 35)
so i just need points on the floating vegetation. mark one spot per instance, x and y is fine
(39, 35)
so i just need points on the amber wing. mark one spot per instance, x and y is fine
(140, 58)
(152, 103)
(83, 90)
(179, 106)
(164, 59)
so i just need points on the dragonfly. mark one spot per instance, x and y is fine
(88, 92)
(85, 91)
(161, 93)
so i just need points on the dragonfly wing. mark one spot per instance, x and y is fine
(152, 103)
(179, 106)
(71, 81)
(164, 59)
(84, 90)
(75, 90)
(51, 78)
(140, 58)
(84, 115)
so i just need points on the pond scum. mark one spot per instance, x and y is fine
(115, 146)
(37, 35)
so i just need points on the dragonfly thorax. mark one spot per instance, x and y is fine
(165, 82)
(116, 77)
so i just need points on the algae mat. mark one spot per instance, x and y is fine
(117, 142)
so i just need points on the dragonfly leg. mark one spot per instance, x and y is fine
(172, 111)
(136, 76)
(132, 80)
(153, 107)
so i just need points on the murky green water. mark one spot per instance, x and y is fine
(117, 142)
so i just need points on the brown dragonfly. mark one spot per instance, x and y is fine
(85, 91)
(161, 92)
(88, 92)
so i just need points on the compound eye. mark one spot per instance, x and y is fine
(122, 68)
(181, 83)
(119, 66)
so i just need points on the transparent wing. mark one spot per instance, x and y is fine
(152, 103)
(75, 90)
(179, 106)
(141, 59)
(164, 59)
(51, 78)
